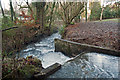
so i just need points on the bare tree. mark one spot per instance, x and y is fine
(29, 6)
(103, 6)
(86, 11)
(69, 10)
(101, 13)
(51, 14)
(13, 16)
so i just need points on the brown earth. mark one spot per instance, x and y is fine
(103, 34)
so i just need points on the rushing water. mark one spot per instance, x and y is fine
(88, 65)
(44, 50)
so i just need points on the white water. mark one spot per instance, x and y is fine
(44, 50)
(89, 65)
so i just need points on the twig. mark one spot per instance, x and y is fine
(9, 28)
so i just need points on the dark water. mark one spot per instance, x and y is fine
(90, 65)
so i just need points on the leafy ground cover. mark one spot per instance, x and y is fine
(103, 34)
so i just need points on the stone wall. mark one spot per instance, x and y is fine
(71, 49)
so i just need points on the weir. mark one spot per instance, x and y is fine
(70, 48)
(89, 61)
(86, 61)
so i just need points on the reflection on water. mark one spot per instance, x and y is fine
(44, 50)
(90, 65)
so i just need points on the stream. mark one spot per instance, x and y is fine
(89, 65)
(44, 50)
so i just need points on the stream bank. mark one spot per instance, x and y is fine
(84, 65)
(14, 40)
(103, 34)
(43, 51)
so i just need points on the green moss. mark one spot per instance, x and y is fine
(72, 23)
(27, 71)
(9, 33)
(6, 22)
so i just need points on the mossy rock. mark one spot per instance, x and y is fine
(28, 71)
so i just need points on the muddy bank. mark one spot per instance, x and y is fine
(103, 34)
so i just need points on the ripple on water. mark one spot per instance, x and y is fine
(89, 65)
(41, 45)
(44, 50)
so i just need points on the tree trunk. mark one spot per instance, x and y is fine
(86, 12)
(29, 6)
(11, 8)
(74, 10)
(2, 9)
(51, 15)
(40, 14)
(101, 14)
(13, 16)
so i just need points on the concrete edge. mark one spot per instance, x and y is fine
(83, 48)
(47, 72)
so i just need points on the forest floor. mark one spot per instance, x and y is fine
(104, 34)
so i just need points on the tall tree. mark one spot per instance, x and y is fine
(40, 13)
(29, 6)
(51, 14)
(86, 12)
(101, 13)
(11, 8)
(102, 6)
(13, 16)
(2, 9)
(69, 10)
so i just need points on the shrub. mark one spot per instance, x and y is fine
(62, 30)
(72, 23)
(6, 22)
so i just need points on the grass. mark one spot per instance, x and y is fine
(115, 20)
